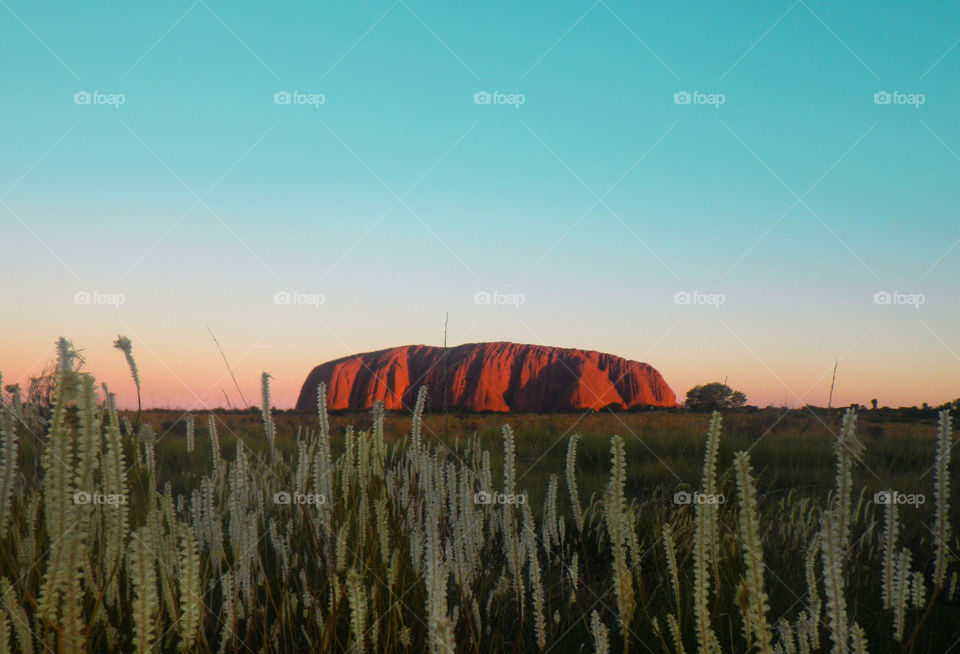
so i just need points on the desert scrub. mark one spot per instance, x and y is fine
(336, 539)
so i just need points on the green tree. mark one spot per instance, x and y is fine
(713, 397)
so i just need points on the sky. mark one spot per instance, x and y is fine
(725, 190)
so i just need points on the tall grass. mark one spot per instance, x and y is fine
(313, 540)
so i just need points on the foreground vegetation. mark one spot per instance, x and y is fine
(121, 534)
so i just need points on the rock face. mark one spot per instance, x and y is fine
(487, 377)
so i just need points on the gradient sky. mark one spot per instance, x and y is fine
(397, 199)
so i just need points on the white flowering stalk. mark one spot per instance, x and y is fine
(709, 482)
(265, 412)
(418, 420)
(901, 596)
(941, 486)
(511, 542)
(8, 466)
(322, 416)
(805, 630)
(573, 574)
(509, 461)
(68, 359)
(858, 639)
(323, 471)
(341, 548)
(212, 527)
(148, 438)
(755, 608)
(847, 449)
(572, 481)
(190, 428)
(89, 441)
(601, 637)
(229, 611)
(123, 344)
(815, 604)
(347, 463)
(831, 545)
(61, 579)
(21, 626)
(918, 590)
(191, 594)
(670, 548)
(536, 584)
(357, 597)
(787, 644)
(142, 571)
(706, 544)
(304, 462)
(706, 638)
(163, 546)
(114, 482)
(891, 528)
(619, 520)
(378, 419)
(363, 512)
(674, 627)
(439, 624)
(551, 533)
(215, 454)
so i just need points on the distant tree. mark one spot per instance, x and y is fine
(873, 403)
(714, 396)
(950, 406)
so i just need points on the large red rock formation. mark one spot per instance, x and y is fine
(487, 377)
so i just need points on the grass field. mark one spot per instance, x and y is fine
(290, 532)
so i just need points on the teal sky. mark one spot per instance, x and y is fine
(597, 199)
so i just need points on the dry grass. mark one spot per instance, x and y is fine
(203, 555)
